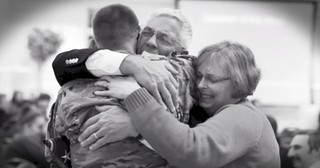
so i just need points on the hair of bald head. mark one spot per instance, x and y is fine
(114, 25)
(185, 36)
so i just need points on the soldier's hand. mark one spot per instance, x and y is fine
(156, 77)
(111, 124)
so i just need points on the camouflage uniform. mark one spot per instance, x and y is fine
(76, 104)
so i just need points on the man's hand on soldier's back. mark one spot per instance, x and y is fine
(156, 77)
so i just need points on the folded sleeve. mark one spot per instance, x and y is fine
(86, 63)
(70, 65)
(105, 62)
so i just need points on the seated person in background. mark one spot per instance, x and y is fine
(314, 139)
(43, 103)
(28, 145)
(16, 103)
(301, 153)
(115, 28)
(274, 125)
(285, 138)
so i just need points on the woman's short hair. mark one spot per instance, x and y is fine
(237, 61)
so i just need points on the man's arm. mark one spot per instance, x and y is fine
(156, 77)
(88, 63)
(70, 65)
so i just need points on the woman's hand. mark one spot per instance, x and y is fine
(118, 87)
(111, 124)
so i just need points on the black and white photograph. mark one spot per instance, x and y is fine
(160, 84)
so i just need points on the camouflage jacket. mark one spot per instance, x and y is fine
(76, 104)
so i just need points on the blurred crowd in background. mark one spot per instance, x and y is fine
(22, 130)
(23, 127)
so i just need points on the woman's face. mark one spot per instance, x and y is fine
(214, 88)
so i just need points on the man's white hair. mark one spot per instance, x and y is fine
(186, 30)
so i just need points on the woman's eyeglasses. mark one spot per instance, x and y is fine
(211, 79)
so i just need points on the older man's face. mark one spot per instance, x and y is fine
(300, 152)
(160, 36)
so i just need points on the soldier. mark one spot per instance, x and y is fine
(76, 102)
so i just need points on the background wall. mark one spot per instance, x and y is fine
(69, 18)
(285, 37)
(278, 33)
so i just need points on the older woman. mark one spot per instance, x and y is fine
(237, 134)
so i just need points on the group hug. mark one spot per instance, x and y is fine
(136, 98)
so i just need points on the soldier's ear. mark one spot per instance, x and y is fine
(138, 30)
(93, 44)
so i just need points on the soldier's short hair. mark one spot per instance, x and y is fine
(113, 25)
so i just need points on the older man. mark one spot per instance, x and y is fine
(301, 154)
